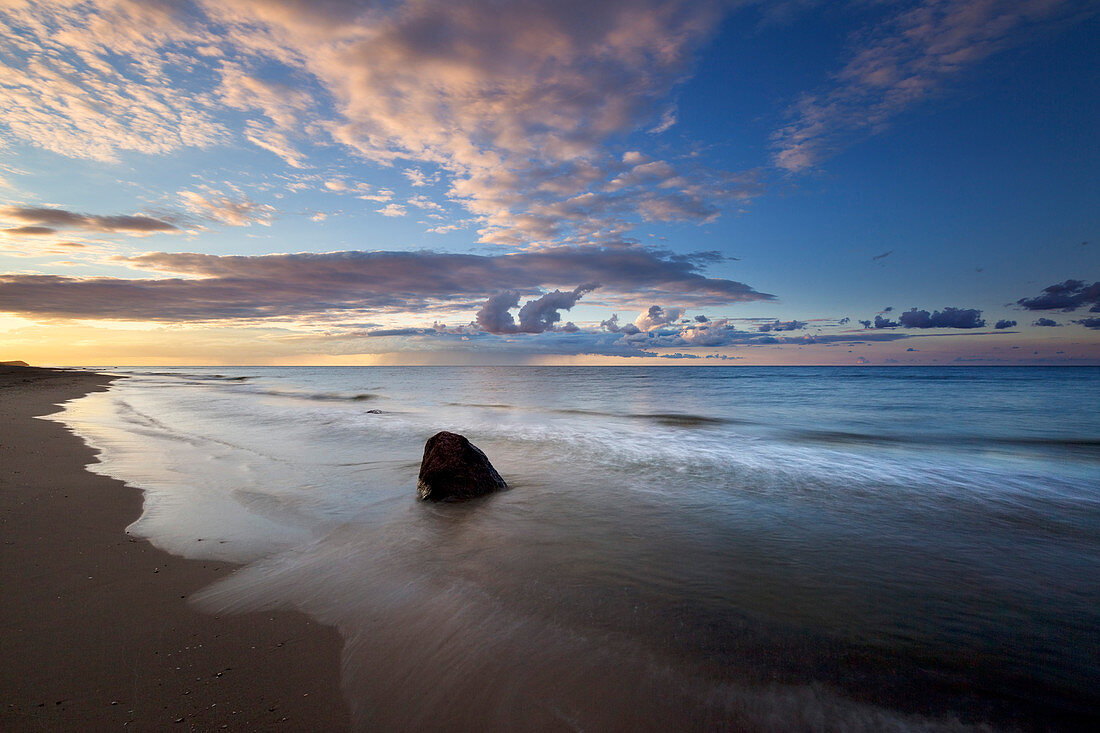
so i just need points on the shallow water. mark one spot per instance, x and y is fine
(682, 548)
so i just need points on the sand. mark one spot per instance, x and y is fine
(95, 629)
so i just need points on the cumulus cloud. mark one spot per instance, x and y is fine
(210, 287)
(536, 316)
(1093, 323)
(656, 317)
(45, 220)
(1046, 322)
(781, 326)
(947, 318)
(1003, 324)
(906, 60)
(1065, 296)
(392, 210)
(612, 326)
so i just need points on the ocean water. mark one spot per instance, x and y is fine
(726, 548)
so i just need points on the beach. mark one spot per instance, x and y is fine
(96, 631)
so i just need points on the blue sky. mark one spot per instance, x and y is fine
(481, 182)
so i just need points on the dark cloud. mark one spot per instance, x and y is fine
(382, 332)
(1004, 324)
(540, 315)
(612, 325)
(41, 217)
(866, 324)
(1046, 322)
(494, 316)
(701, 319)
(30, 230)
(1093, 323)
(881, 322)
(536, 316)
(1065, 296)
(947, 318)
(658, 318)
(299, 284)
(782, 326)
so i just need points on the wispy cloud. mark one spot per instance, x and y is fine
(905, 61)
(234, 209)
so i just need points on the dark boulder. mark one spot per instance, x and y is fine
(453, 469)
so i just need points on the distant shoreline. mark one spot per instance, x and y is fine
(95, 628)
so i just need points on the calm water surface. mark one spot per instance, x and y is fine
(681, 549)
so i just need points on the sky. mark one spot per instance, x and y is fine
(519, 182)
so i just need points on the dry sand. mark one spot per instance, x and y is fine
(95, 629)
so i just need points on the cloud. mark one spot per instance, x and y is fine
(29, 230)
(1002, 324)
(612, 326)
(536, 316)
(1093, 323)
(781, 326)
(656, 317)
(905, 61)
(1046, 322)
(519, 105)
(948, 318)
(667, 121)
(392, 210)
(92, 81)
(418, 178)
(423, 202)
(44, 220)
(275, 142)
(233, 287)
(1065, 296)
(238, 211)
(881, 322)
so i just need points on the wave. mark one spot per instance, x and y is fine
(321, 396)
(670, 419)
(1084, 445)
(185, 375)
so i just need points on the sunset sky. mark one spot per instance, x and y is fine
(615, 182)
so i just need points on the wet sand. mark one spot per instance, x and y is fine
(96, 632)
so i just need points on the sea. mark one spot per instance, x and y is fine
(680, 548)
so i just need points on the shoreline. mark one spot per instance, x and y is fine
(95, 628)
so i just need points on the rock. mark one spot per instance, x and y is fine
(453, 469)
